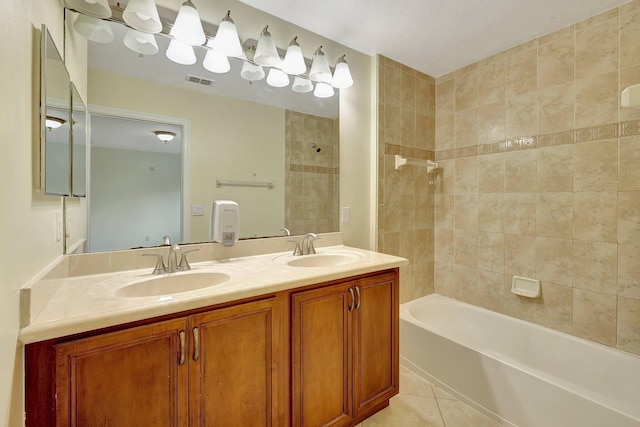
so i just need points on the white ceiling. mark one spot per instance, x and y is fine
(433, 36)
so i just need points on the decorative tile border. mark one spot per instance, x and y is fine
(314, 169)
(595, 133)
(415, 153)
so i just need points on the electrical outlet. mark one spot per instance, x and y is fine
(345, 214)
(58, 226)
(197, 210)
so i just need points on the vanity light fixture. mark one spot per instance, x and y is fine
(320, 71)
(277, 78)
(227, 39)
(93, 29)
(251, 72)
(96, 8)
(181, 53)
(165, 136)
(53, 122)
(341, 74)
(301, 85)
(142, 15)
(142, 43)
(187, 27)
(323, 90)
(214, 61)
(294, 60)
(266, 51)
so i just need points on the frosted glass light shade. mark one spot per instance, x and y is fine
(323, 90)
(301, 85)
(215, 61)
(143, 16)
(294, 59)
(252, 72)
(93, 29)
(266, 51)
(342, 75)
(277, 78)
(143, 43)
(187, 27)
(95, 8)
(320, 71)
(181, 53)
(227, 39)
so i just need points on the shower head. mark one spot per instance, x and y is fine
(316, 147)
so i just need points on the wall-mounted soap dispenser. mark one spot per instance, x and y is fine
(225, 221)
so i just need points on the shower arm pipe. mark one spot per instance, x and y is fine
(226, 182)
(400, 161)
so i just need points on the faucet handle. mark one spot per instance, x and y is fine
(166, 240)
(297, 251)
(184, 263)
(160, 268)
(312, 250)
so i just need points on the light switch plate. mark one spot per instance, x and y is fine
(345, 214)
(197, 210)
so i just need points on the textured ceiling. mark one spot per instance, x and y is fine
(433, 36)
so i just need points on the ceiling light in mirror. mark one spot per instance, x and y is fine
(143, 16)
(301, 85)
(215, 61)
(341, 74)
(294, 59)
(165, 136)
(181, 53)
(323, 90)
(320, 71)
(187, 27)
(277, 78)
(93, 29)
(266, 51)
(227, 39)
(142, 43)
(96, 8)
(54, 122)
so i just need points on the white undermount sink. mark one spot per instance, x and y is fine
(172, 284)
(323, 260)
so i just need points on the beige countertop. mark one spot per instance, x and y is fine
(76, 304)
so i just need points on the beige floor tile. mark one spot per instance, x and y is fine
(458, 414)
(407, 411)
(413, 384)
(441, 393)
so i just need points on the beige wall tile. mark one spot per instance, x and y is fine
(444, 133)
(490, 212)
(491, 173)
(596, 100)
(425, 132)
(392, 86)
(444, 279)
(630, 7)
(466, 175)
(629, 216)
(595, 266)
(596, 166)
(554, 260)
(444, 211)
(407, 280)
(491, 252)
(425, 97)
(517, 306)
(392, 125)
(556, 59)
(444, 249)
(555, 168)
(491, 290)
(466, 128)
(555, 309)
(629, 76)
(629, 325)
(597, 49)
(491, 82)
(408, 92)
(629, 163)
(554, 215)
(445, 181)
(521, 115)
(629, 270)
(466, 212)
(555, 108)
(521, 73)
(598, 19)
(466, 248)
(520, 169)
(466, 284)
(520, 255)
(466, 90)
(491, 123)
(630, 39)
(595, 216)
(594, 316)
(519, 213)
(445, 98)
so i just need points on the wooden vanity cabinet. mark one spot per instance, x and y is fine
(344, 345)
(217, 368)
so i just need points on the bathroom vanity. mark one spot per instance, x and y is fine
(283, 341)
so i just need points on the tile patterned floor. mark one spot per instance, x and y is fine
(422, 404)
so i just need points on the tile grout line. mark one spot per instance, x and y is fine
(435, 397)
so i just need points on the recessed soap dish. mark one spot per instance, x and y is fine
(525, 287)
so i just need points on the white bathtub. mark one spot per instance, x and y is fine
(517, 372)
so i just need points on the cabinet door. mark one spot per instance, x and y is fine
(321, 360)
(236, 369)
(127, 378)
(376, 358)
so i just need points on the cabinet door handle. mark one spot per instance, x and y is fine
(182, 336)
(359, 297)
(196, 344)
(353, 299)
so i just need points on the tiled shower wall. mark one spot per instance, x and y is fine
(311, 177)
(405, 197)
(541, 178)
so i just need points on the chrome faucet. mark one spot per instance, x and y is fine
(172, 260)
(307, 243)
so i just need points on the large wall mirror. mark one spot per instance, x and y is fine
(272, 150)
